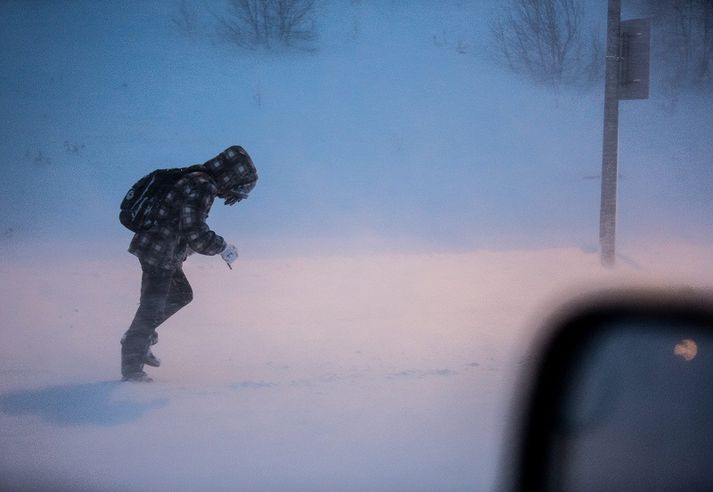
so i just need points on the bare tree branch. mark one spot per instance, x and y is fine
(271, 23)
(185, 19)
(543, 40)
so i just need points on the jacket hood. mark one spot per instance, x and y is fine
(231, 167)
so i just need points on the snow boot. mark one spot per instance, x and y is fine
(151, 360)
(137, 377)
(133, 352)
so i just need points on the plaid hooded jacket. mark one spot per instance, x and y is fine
(183, 214)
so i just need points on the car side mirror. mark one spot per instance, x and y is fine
(620, 397)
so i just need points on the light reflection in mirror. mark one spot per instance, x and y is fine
(687, 349)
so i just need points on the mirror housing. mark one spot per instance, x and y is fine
(619, 396)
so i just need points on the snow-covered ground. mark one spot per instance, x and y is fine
(365, 372)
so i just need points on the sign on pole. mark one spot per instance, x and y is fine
(634, 73)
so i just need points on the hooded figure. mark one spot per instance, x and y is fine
(234, 174)
(180, 230)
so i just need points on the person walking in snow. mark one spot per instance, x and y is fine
(180, 231)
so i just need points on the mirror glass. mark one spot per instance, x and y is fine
(638, 410)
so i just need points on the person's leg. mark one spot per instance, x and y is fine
(179, 295)
(155, 287)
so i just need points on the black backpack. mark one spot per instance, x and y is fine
(139, 209)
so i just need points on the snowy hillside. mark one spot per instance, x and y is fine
(398, 127)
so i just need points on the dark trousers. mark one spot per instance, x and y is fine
(163, 293)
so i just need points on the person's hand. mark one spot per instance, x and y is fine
(229, 254)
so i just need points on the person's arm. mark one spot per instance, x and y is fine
(199, 193)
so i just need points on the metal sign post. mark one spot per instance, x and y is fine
(607, 213)
(626, 77)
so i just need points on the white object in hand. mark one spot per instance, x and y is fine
(229, 254)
